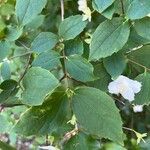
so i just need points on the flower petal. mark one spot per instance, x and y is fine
(47, 148)
(128, 94)
(138, 108)
(136, 86)
(113, 88)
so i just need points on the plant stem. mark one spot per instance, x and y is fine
(65, 78)
(27, 53)
(27, 48)
(122, 7)
(26, 68)
(139, 64)
(62, 10)
(128, 129)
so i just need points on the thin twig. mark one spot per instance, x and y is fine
(26, 68)
(62, 78)
(2, 106)
(134, 49)
(20, 55)
(122, 7)
(77, 81)
(69, 135)
(27, 48)
(138, 64)
(127, 129)
(63, 52)
(10, 105)
(62, 10)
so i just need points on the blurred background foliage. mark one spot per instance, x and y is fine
(14, 51)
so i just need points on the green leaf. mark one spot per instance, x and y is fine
(8, 84)
(5, 146)
(47, 60)
(4, 49)
(143, 97)
(5, 71)
(101, 5)
(5, 124)
(82, 141)
(109, 37)
(71, 27)
(134, 41)
(97, 114)
(108, 13)
(35, 23)
(44, 41)
(73, 47)
(27, 10)
(2, 24)
(115, 64)
(7, 9)
(138, 9)
(113, 146)
(43, 119)
(79, 68)
(104, 78)
(142, 27)
(141, 56)
(9, 89)
(38, 83)
(13, 33)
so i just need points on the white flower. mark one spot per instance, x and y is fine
(85, 9)
(6, 60)
(47, 148)
(124, 86)
(138, 108)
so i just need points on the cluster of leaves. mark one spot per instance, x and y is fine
(56, 71)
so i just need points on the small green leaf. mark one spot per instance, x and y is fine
(142, 27)
(134, 41)
(101, 5)
(109, 37)
(141, 56)
(113, 146)
(143, 97)
(35, 23)
(138, 9)
(5, 124)
(47, 60)
(97, 114)
(2, 24)
(71, 27)
(38, 83)
(79, 68)
(44, 41)
(103, 78)
(4, 49)
(13, 33)
(45, 119)
(27, 10)
(73, 47)
(115, 64)
(82, 141)
(108, 13)
(9, 89)
(5, 71)
(8, 84)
